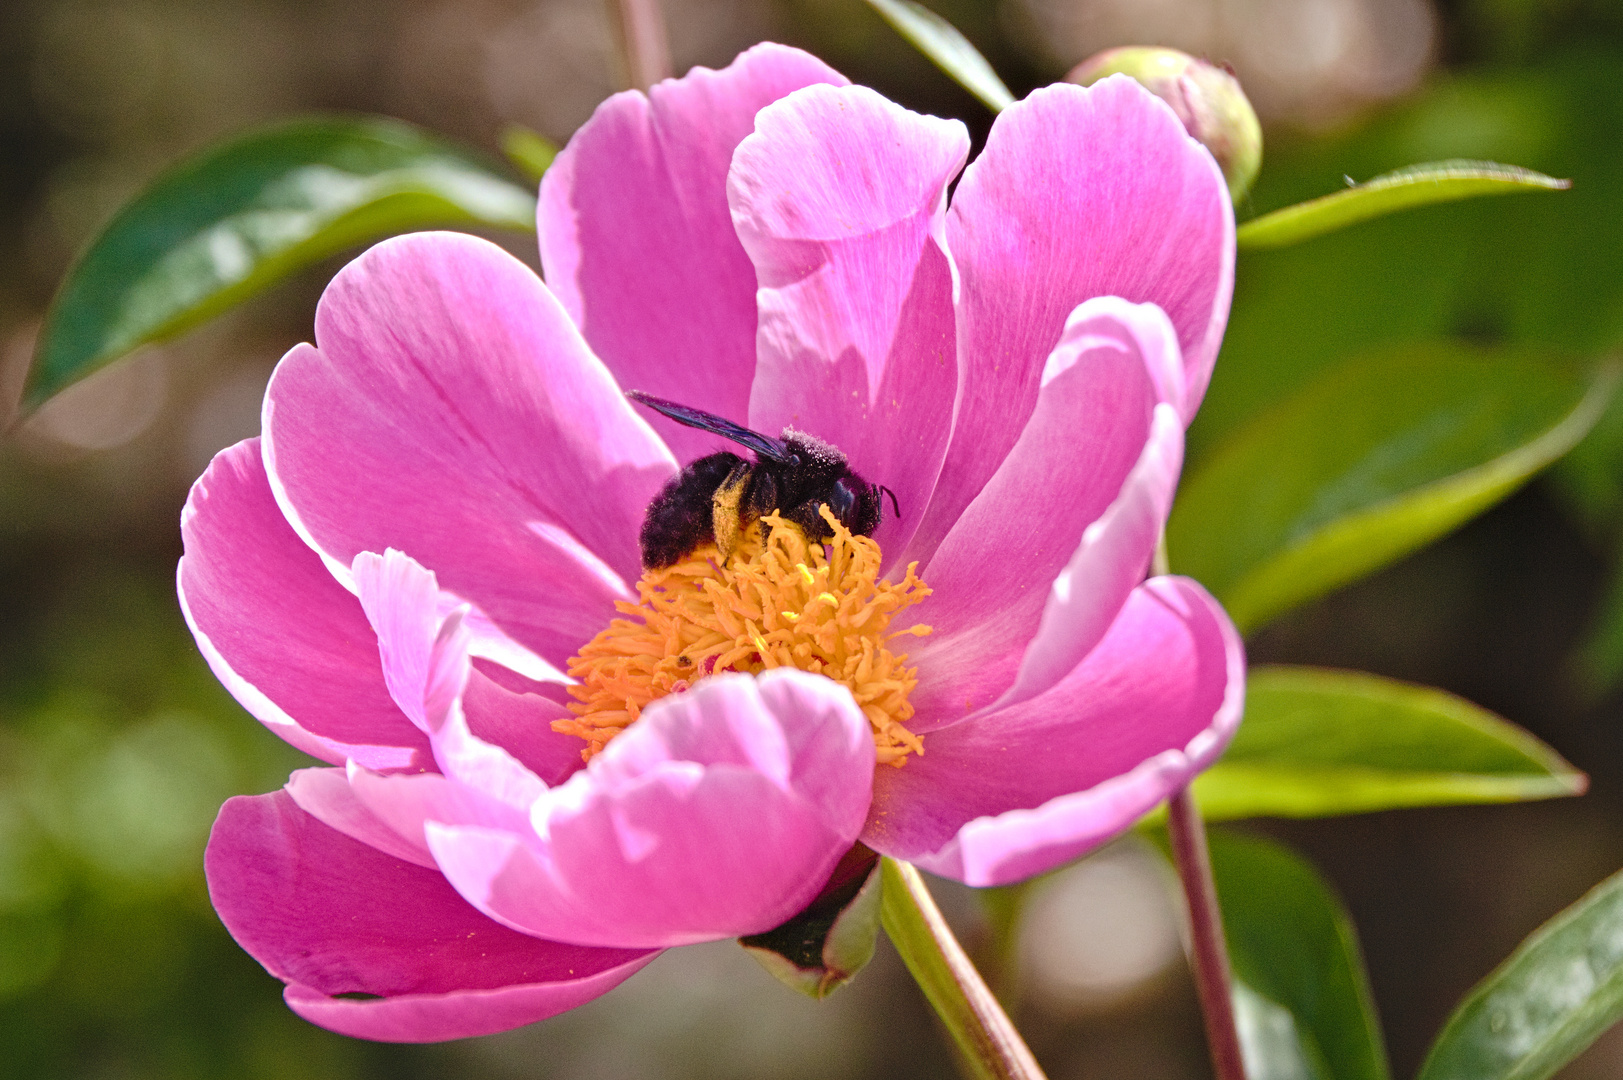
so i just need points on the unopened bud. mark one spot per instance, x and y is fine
(1206, 98)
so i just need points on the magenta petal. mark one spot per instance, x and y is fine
(638, 244)
(1048, 507)
(721, 812)
(839, 198)
(1079, 193)
(285, 638)
(453, 412)
(1017, 791)
(329, 915)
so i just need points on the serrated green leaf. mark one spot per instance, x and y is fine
(822, 948)
(1402, 189)
(530, 151)
(228, 223)
(948, 49)
(1302, 1000)
(1317, 742)
(1543, 1006)
(1369, 462)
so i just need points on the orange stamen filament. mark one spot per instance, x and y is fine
(777, 601)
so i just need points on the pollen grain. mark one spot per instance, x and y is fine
(776, 601)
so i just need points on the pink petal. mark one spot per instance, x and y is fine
(285, 638)
(1090, 445)
(405, 803)
(453, 412)
(1015, 792)
(329, 915)
(721, 812)
(1110, 562)
(427, 667)
(638, 244)
(840, 198)
(1079, 193)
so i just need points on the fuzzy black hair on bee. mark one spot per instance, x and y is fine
(716, 497)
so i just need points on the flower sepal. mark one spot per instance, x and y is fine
(822, 948)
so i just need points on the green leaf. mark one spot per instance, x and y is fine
(1538, 1010)
(819, 950)
(530, 151)
(948, 49)
(1369, 462)
(1317, 742)
(225, 225)
(1301, 998)
(1402, 189)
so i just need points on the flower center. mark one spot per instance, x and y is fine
(776, 601)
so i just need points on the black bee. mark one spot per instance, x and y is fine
(717, 496)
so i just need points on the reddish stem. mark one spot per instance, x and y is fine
(1210, 953)
(640, 25)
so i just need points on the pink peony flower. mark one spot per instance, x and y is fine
(443, 509)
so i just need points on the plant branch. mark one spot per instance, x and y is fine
(988, 1041)
(1210, 953)
(645, 50)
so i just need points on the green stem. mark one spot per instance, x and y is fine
(989, 1043)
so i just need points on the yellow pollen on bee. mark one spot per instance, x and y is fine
(776, 601)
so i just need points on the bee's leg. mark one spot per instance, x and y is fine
(678, 518)
(809, 516)
(725, 505)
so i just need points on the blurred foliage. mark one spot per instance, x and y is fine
(1539, 1009)
(1368, 462)
(117, 745)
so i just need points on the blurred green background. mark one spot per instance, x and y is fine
(117, 746)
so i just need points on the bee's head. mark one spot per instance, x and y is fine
(856, 503)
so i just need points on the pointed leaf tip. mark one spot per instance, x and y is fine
(231, 221)
(947, 48)
(1402, 189)
(1318, 742)
(531, 152)
(823, 948)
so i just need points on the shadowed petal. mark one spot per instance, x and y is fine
(1079, 193)
(453, 412)
(326, 795)
(285, 638)
(720, 812)
(521, 724)
(1084, 490)
(638, 244)
(839, 197)
(329, 915)
(1015, 792)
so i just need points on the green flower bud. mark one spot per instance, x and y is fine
(1206, 98)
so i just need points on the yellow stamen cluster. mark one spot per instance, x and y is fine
(776, 601)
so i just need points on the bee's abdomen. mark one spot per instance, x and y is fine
(679, 518)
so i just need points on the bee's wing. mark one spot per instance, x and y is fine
(764, 445)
